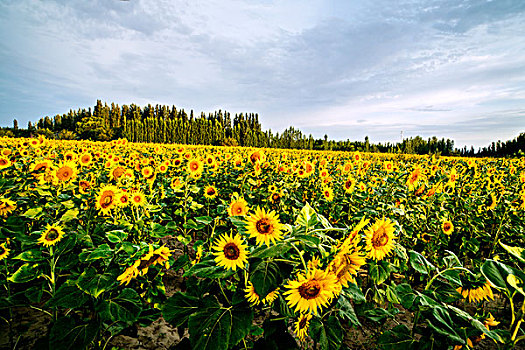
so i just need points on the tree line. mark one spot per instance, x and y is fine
(165, 124)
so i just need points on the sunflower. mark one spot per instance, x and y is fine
(86, 159)
(349, 185)
(389, 167)
(138, 199)
(231, 252)
(51, 235)
(447, 227)
(4, 251)
(275, 197)
(264, 226)
(130, 273)
(116, 172)
(6, 206)
(238, 207)
(301, 326)
(476, 291)
(66, 171)
(414, 178)
(328, 194)
(357, 156)
(210, 192)
(84, 186)
(380, 239)
(176, 183)
(195, 166)
(270, 297)
(346, 264)
(491, 202)
(4, 162)
(251, 295)
(311, 292)
(70, 156)
(107, 199)
(257, 156)
(123, 199)
(161, 256)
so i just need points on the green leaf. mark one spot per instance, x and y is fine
(32, 213)
(206, 220)
(69, 215)
(406, 295)
(116, 236)
(25, 273)
(264, 276)
(497, 273)
(441, 322)
(397, 338)
(328, 334)
(346, 311)
(208, 269)
(103, 251)
(307, 217)
(379, 271)
(517, 252)
(95, 284)
(310, 241)
(30, 255)
(516, 282)
(354, 293)
(420, 263)
(378, 314)
(157, 230)
(68, 296)
(242, 317)
(476, 324)
(126, 307)
(178, 308)
(269, 252)
(210, 327)
(66, 334)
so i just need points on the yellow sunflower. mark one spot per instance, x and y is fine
(84, 186)
(311, 292)
(476, 292)
(176, 183)
(6, 206)
(4, 162)
(66, 171)
(51, 235)
(301, 326)
(123, 199)
(380, 239)
(251, 295)
(138, 199)
(130, 273)
(195, 167)
(270, 297)
(210, 192)
(447, 227)
(4, 251)
(231, 252)
(347, 262)
(85, 159)
(328, 194)
(388, 166)
(107, 199)
(264, 226)
(116, 172)
(349, 185)
(238, 207)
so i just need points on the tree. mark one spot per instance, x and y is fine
(15, 125)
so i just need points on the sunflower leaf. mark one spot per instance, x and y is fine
(264, 276)
(269, 252)
(66, 334)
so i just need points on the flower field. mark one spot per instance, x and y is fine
(275, 249)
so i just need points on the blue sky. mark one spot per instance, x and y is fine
(450, 68)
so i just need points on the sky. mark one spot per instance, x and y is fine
(348, 69)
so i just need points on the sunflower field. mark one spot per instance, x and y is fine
(260, 248)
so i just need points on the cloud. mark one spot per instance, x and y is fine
(415, 65)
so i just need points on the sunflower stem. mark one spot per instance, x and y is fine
(222, 290)
(300, 256)
(442, 272)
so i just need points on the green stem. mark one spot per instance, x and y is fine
(442, 272)
(222, 290)
(300, 256)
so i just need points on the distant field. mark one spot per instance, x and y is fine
(263, 248)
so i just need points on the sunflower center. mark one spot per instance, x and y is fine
(231, 251)
(310, 290)
(118, 172)
(302, 323)
(210, 191)
(446, 226)
(264, 226)
(3, 162)
(380, 238)
(51, 235)
(194, 166)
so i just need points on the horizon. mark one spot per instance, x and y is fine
(451, 70)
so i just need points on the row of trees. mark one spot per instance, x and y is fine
(165, 124)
